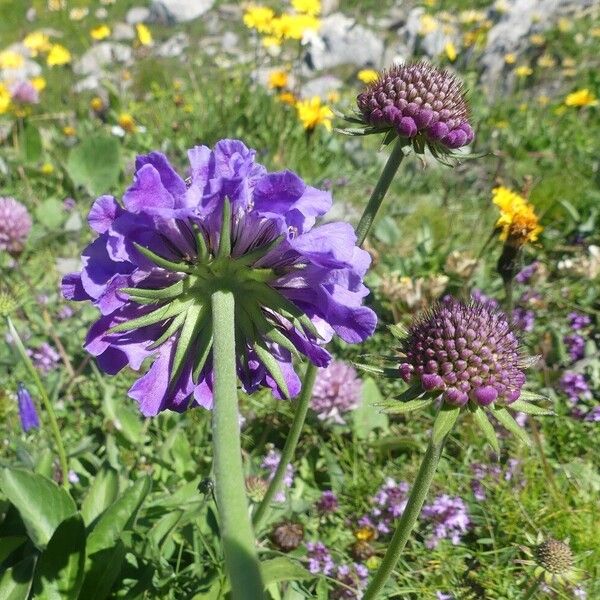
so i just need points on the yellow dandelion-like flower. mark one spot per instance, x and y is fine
(287, 98)
(294, 27)
(428, 25)
(69, 131)
(523, 71)
(47, 168)
(368, 75)
(144, 34)
(537, 40)
(546, 61)
(569, 62)
(271, 41)
(100, 33)
(312, 113)
(259, 18)
(58, 55)
(39, 83)
(517, 220)
(37, 42)
(278, 79)
(450, 50)
(365, 534)
(307, 7)
(9, 59)
(564, 24)
(510, 58)
(4, 99)
(581, 98)
(127, 122)
(97, 104)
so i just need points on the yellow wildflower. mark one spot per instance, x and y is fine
(365, 534)
(287, 98)
(581, 98)
(97, 104)
(450, 51)
(510, 58)
(277, 79)
(39, 83)
(259, 18)
(271, 41)
(100, 33)
(47, 168)
(307, 7)
(312, 113)
(69, 131)
(518, 220)
(36, 42)
(568, 62)
(564, 24)
(523, 71)
(428, 25)
(58, 56)
(144, 34)
(54, 5)
(4, 99)
(293, 27)
(127, 122)
(537, 40)
(9, 59)
(368, 75)
(546, 61)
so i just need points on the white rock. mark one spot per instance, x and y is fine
(178, 11)
(122, 31)
(137, 14)
(174, 46)
(101, 55)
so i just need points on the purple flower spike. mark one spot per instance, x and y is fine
(419, 99)
(159, 256)
(27, 410)
(15, 225)
(464, 351)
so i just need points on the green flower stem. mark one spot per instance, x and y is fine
(291, 442)
(241, 561)
(409, 517)
(49, 410)
(385, 179)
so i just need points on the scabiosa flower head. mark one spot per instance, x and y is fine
(449, 519)
(15, 225)
(337, 390)
(466, 352)
(27, 411)
(554, 557)
(422, 103)
(319, 558)
(575, 344)
(578, 320)
(45, 358)
(234, 226)
(327, 503)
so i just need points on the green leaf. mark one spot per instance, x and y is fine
(367, 417)
(196, 316)
(167, 311)
(59, 572)
(31, 144)
(509, 423)
(15, 583)
(282, 569)
(42, 504)
(444, 422)
(487, 428)
(530, 409)
(225, 236)
(394, 407)
(103, 569)
(177, 267)
(95, 163)
(111, 524)
(50, 213)
(8, 544)
(124, 417)
(101, 495)
(387, 231)
(273, 367)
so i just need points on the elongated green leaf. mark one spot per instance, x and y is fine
(156, 316)
(393, 407)
(101, 495)
(225, 236)
(115, 519)
(282, 569)
(486, 427)
(42, 504)
(269, 330)
(444, 422)
(399, 331)
(505, 419)
(273, 367)
(194, 321)
(530, 409)
(254, 255)
(15, 583)
(172, 291)
(201, 247)
(103, 570)
(8, 544)
(203, 349)
(169, 265)
(59, 572)
(530, 396)
(175, 326)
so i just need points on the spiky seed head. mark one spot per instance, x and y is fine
(287, 536)
(256, 488)
(554, 556)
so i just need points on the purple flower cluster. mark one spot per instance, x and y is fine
(158, 257)
(523, 318)
(448, 519)
(388, 504)
(327, 503)
(578, 320)
(15, 225)
(24, 92)
(467, 352)
(270, 463)
(353, 579)
(418, 99)
(575, 386)
(337, 390)
(319, 558)
(27, 411)
(484, 474)
(45, 358)
(575, 344)
(480, 298)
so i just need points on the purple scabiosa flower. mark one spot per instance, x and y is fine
(15, 225)
(27, 411)
(270, 463)
(234, 226)
(578, 320)
(422, 103)
(327, 503)
(45, 358)
(466, 352)
(24, 92)
(575, 344)
(523, 319)
(449, 519)
(354, 579)
(319, 558)
(575, 386)
(337, 390)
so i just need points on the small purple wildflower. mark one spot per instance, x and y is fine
(443, 596)
(327, 503)
(15, 225)
(484, 475)
(575, 386)
(575, 344)
(27, 411)
(579, 593)
(388, 504)
(24, 92)
(578, 320)
(73, 477)
(64, 312)
(45, 358)
(523, 318)
(478, 296)
(319, 558)
(354, 580)
(337, 390)
(594, 415)
(448, 518)
(69, 204)
(526, 273)
(270, 463)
